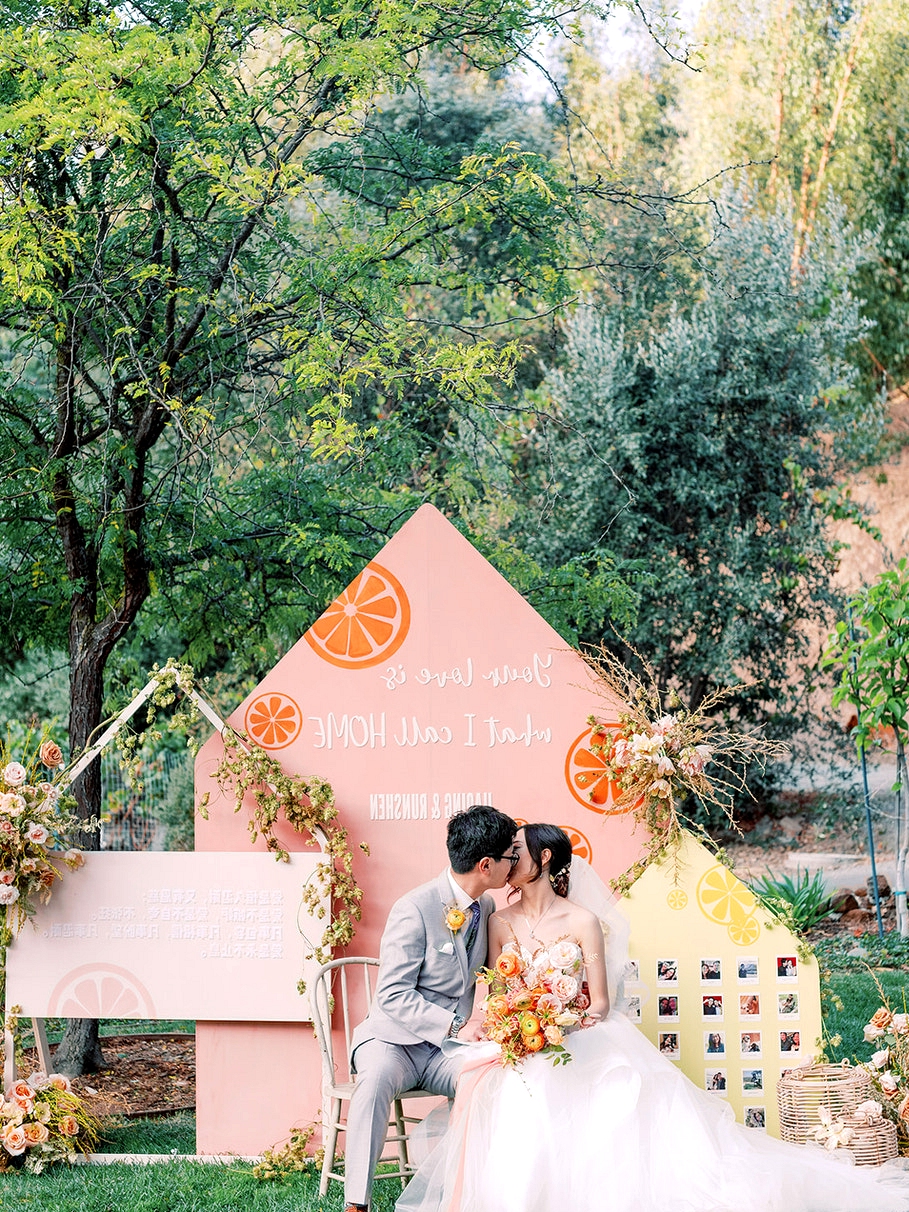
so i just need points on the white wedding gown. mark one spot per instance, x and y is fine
(621, 1129)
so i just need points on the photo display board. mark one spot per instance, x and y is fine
(170, 935)
(718, 984)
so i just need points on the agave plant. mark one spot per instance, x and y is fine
(800, 901)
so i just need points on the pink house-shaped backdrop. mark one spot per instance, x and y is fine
(428, 685)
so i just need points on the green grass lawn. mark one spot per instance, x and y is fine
(193, 1187)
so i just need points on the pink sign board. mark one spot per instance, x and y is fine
(150, 935)
(428, 685)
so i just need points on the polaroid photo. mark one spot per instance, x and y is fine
(756, 1117)
(748, 969)
(749, 1005)
(669, 1045)
(668, 1008)
(787, 968)
(787, 1005)
(711, 971)
(752, 1080)
(790, 1042)
(712, 1006)
(632, 972)
(633, 1009)
(667, 972)
(750, 1043)
(715, 1080)
(714, 1043)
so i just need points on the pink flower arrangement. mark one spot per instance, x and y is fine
(888, 1066)
(35, 819)
(42, 1121)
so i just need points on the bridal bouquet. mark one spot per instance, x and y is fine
(42, 1121)
(35, 816)
(534, 1000)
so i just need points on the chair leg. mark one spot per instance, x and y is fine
(401, 1128)
(329, 1142)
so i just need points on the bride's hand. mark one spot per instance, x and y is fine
(472, 1031)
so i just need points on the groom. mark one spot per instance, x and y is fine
(433, 943)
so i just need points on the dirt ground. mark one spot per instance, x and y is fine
(145, 1075)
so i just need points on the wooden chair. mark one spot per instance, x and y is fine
(345, 987)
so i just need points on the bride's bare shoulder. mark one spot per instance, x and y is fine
(581, 916)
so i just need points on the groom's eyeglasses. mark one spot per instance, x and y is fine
(508, 858)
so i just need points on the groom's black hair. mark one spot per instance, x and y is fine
(475, 833)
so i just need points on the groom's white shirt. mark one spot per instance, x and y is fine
(425, 974)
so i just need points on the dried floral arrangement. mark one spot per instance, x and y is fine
(656, 752)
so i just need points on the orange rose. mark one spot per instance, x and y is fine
(508, 964)
(14, 1141)
(533, 1043)
(68, 1126)
(51, 755)
(881, 1018)
(35, 1134)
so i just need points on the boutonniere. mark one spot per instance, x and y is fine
(455, 917)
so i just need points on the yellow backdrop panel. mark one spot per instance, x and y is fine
(719, 986)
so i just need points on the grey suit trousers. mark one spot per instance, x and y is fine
(383, 1072)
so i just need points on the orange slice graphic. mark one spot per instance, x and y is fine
(365, 624)
(580, 845)
(585, 774)
(273, 720)
(101, 991)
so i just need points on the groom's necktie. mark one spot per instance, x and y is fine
(470, 937)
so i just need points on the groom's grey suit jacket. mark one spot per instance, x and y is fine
(425, 973)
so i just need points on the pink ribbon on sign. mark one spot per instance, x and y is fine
(475, 1071)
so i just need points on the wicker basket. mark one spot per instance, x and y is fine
(873, 1144)
(800, 1092)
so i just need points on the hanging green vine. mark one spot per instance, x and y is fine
(247, 771)
(308, 805)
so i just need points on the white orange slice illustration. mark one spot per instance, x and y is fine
(101, 991)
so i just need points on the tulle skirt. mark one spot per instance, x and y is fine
(621, 1129)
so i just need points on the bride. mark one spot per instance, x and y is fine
(620, 1128)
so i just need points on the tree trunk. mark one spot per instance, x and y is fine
(80, 1050)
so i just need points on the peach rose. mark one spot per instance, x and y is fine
(903, 1110)
(881, 1018)
(888, 1084)
(59, 1081)
(51, 755)
(14, 1140)
(36, 833)
(549, 1004)
(74, 859)
(553, 1035)
(871, 1033)
(900, 1024)
(68, 1126)
(565, 988)
(35, 1134)
(22, 1089)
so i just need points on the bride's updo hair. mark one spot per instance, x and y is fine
(538, 838)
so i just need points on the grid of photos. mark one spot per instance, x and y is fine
(767, 1027)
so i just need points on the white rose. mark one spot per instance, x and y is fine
(888, 1083)
(881, 1059)
(566, 955)
(872, 1033)
(565, 987)
(8, 894)
(14, 774)
(900, 1024)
